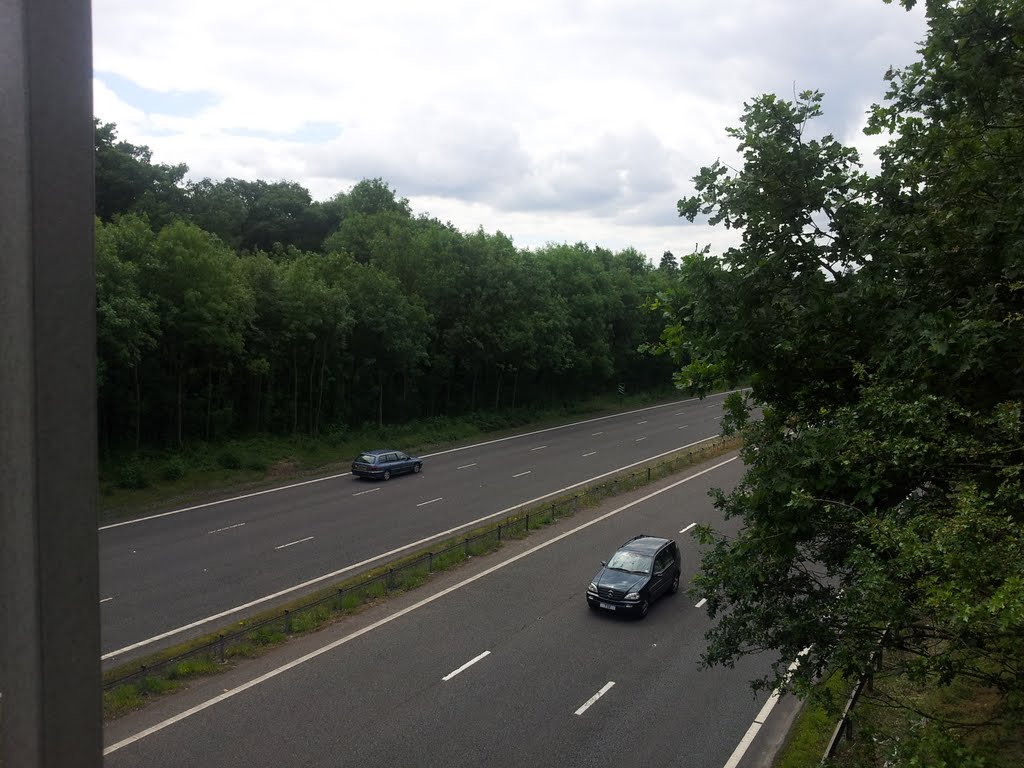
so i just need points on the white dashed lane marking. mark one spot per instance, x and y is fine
(589, 702)
(292, 543)
(465, 666)
(226, 528)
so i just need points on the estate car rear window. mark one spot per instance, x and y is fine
(367, 458)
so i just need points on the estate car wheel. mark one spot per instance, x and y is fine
(417, 467)
(675, 585)
(387, 474)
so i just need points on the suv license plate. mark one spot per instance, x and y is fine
(608, 606)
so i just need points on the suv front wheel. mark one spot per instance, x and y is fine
(675, 585)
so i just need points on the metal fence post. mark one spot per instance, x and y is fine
(465, 546)
(430, 562)
(648, 474)
(220, 645)
(287, 622)
(499, 533)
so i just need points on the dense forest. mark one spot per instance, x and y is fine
(231, 307)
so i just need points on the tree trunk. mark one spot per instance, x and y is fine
(259, 400)
(181, 377)
(380, 399)
(472, 396)
(138, 408)
(312, 378)
(209, 398)
(320, 396)
(497, 390)
(515, 388)
(295, 390)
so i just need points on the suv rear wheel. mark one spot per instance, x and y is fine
(675, 585)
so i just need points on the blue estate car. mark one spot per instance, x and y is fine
(384, 463)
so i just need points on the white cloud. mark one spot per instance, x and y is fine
(550, 120)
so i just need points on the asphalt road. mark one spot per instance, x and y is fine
(166, 577)
(501, 668)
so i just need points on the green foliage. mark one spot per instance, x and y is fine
(878, 321)
(237, 307)
(174, 469)
(132, 475)
(229, 460)
(128, 182)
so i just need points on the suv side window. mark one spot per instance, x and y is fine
(663, 560)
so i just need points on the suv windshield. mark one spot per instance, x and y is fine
(634, 562)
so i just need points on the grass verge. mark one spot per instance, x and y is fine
(129, 687)
(810, 733)
(967, 726)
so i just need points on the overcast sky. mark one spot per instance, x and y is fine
(549, 120)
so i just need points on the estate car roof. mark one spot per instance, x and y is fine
(648, 545)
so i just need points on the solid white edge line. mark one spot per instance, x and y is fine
(425, 456)
(762, 717)
(589, 702)
(222, 501)
(465, 666)
(290, 543)
(691, 525)
(398, 614)
(382, 555)
(702, 601)
(424, 503)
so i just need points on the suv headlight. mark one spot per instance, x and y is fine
(592, 588)
(633, 596)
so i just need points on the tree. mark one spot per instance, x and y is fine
(204, 306)
(127, 181)
(668, 262)
(878, 321)
(127, 325)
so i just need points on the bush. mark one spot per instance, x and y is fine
(174, 468)
(131, 475)
(229, 460)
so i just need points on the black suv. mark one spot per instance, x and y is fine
(641, 571)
